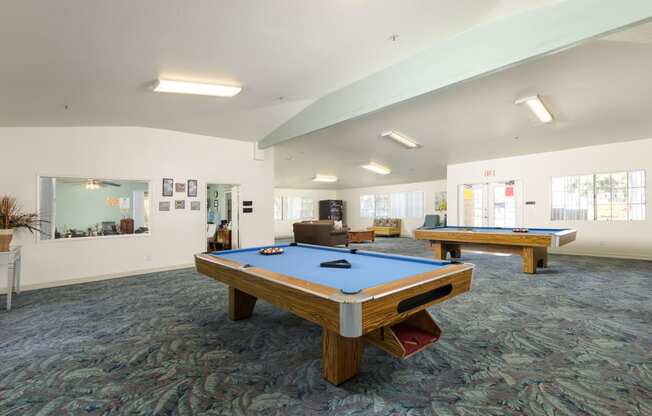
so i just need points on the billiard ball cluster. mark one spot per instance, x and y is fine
(271, 251)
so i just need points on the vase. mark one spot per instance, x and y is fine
(6, 234)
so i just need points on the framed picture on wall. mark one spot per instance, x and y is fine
(164, 205)
(440, 201)
(192, 188)
(180, 187)
(180, 204)
(168, 186)
(195, 205)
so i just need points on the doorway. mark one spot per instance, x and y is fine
(494, 204)
(222, 217)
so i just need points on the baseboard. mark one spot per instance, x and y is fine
(89, 279)
(627, 256)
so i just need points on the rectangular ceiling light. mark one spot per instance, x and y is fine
(324, 178)
(184, 87)
(537, 107)
(379, 169)
(401, 139)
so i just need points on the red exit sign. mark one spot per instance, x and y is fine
(489, 173)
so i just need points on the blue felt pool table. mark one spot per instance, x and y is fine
(381, 299)
(532, 243)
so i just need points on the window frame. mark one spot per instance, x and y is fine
(594, 206)
(154, 199)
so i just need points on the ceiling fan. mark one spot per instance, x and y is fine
(90, 183)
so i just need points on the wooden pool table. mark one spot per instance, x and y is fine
(380, 300)
(532, 246)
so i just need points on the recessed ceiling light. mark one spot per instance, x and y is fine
(324, 178)
(185, 87)
(401, 139)
(379, 169)
(537, 107)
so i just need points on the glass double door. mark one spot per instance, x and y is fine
(494, 204)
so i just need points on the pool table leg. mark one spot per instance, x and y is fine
(541, 256)
(534, 257)
(529, 260)
(241, 304)
(341, 356)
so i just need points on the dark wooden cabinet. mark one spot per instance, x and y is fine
(331, 209)
(126, 226)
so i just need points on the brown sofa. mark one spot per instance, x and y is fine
(320, 233)
(387, 226)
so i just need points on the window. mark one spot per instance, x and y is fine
(307, 208)
(573, 198)
(618, 196)
(367, 206)
(382, 204)
(415, 202)
(278, 208)
(88, 207)
(398, 205)
(299, 208)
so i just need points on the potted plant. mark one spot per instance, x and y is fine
(13, 217)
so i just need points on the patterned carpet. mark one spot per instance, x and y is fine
(572, 340)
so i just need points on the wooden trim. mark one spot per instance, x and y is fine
(514, 239)
(303, 303)
(416, 280)
(566, 237)
(382, 311)
(276, 278)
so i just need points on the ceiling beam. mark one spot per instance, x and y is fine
(477, 52)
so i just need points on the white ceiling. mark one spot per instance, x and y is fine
(599, 92)
(100, 57)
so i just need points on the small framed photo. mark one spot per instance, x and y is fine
(192, 188)
(216, 204)
(195, 205)
(180, 204)
(164, 205)
(180, 187)
(168, 186)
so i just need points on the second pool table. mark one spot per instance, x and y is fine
(381, 299)
(532, 246)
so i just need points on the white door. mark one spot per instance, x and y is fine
(495, 204)
(235, 217)
(503, 204)
(473, 203)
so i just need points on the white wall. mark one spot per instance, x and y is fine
(408, 225)
(605, 238)
(131, 153)
(283, 228)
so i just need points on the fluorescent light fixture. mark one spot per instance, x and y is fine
(379, 169)
(184, 87)
(538, 108)
(324, 178)
(401, 139)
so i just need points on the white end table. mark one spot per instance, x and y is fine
(10, 265)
